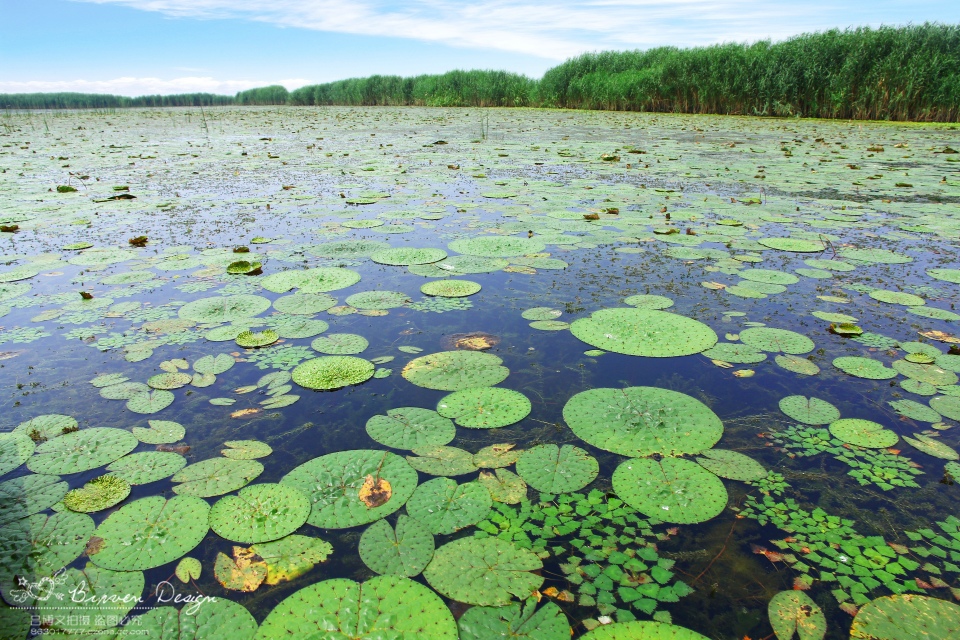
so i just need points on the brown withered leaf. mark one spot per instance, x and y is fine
(244, 572)
(374, 492)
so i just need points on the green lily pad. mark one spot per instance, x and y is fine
(840, 318)
(450, 288)
(769, 276)
(915, 411)
(169, 380)
(378, 300)
(644, 332)
(15, 449)
(642, 630)
(484, 571)
(497, 246)
(46, 427)
(333, 372)
(316, 280)
(23, 496)
(444, 507)
(151, 532)
(295, 327)
(340, 344)
(875, 256)
(732, 465)
(404, 256)
(929, 373)
(304, 304)
(254, 339)
(541, 313)
(97, 494)
(348, 249)
(796, 364)
(91, 613)
(410, 428)
(246, 449)
(160, 432)
(242, 267)
(382, 607)
(291, 556)
(648, 301)
(932, 447)
(215, 365)
(215, 618)
(454, 370)
(948, 406)
(863, 433)
(496, 455)
(797, 245)
(150, 402)
(441, 460)
(794, 612)
(224, 308)
(782, 340)
(215, 477)
(552, 469)
(506, 486)
(906, 617)
(671, 489)
(404, 551)
(642, 421)
(809, 410)
(147, 466)
(333, 482)
(735, 353)
(947, 275)
(897, 297)
(546, 623)
(260, 513)
(549, 325)
(81, 451)
(456, 265)
(484, 407)
(864, 368)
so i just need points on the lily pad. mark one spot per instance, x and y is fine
(404, 551)
(151, 532)
(796, 364)
(444, 507)
(404, 256)
(147, 466)
(529, 623)
(23, 496)
(642, 421)
(735, 353)
(160, 432)
(441, 460)
(91, 613)
(260, 513)
(378, 300)
(732, 465)
(316, 280)
(150, 402)
(541, 313)
(348, 249)
(333, 482)
(769, 276)
(484, 571)
(246, 449)
(875, 256)
(333, 372)
(809, 410)
(932, 447)
(81, 451)
(450, 288)
(454, 370)
(340, 344)
(224, 308)
(642, 630)
(671, 489)
(797, 245)
(304, 304)
(47, 427)
(948, 406)
(504, 486)
(410, 428)
(782, 340)
(906, 617)
(291, 556)
(97, 494)
(648, 301)
(484, 407)
(215, 477)
(794, 612)
(169, 380)
(644, 332)
(863, 433)
(929, 373)
(897, 297)
(497, 246)
(496, 455)
(864, 368)
(15, 449)
(219, 618)
(552, 469)
(915, 411)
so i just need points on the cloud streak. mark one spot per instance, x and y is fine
(132, 86)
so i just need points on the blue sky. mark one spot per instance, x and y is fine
(133, 47)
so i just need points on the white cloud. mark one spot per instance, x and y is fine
(554, 29)
(130, 86)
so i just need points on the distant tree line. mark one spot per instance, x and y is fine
(894, 73)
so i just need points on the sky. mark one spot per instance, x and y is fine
(136, 47)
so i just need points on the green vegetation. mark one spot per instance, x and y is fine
(893, 73)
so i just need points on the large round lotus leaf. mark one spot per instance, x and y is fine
(82, 450)
(348, 249)
(26, 495)
(497, 246)
(809, 410)
(151, 532)
(160, 432)
(484, 407)
(215, 365)
(97, 494)
(794, 612)
(405, 551)
(404, 256)
(947, 275)
(876, 256)
(644, 332)
(541, 314)
(732, 465)
(735, 353)
(897, 297)
(169, 380)
(642, 421)
(47, 427)
(671, 490)
(768, 276)
(317, 280)
(333, 482)
(439, 460)
(915, 411)
(215, 477)
(150, 402)
(453, 370)
(378, 300)
(484, 571)
(37, 547)
(552, 469)
(864, 368)
(410, 428)
(385, 607)
(929, 373)
(649, 302)
(642, 630)
(546, 623)
(304, 304)
(783, 340)
(947, 406)
(907, 617)
(292, 327)
(260, 513)
(333, 372)
(340, 344)
(224, 308)
(219, 618)
(148, 466)
(444, 507)
(932, 447)
(450, 288)
(88, 612)
(16, 448)
(797, 245)
(863, 433)
(796, 364)
(472, 264)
